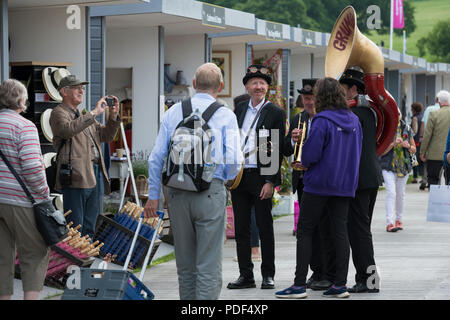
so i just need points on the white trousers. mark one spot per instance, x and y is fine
(395, 195)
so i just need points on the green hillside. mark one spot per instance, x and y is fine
(427, 12)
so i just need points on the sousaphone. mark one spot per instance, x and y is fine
(348, 47)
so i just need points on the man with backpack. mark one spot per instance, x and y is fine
(197, 149)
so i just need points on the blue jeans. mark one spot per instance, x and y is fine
(85, 204)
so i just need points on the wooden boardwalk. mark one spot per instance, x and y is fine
(413, 263)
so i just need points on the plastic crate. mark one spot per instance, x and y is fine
(100, 284)
(118, 238)
(60, 259)
(136, 290)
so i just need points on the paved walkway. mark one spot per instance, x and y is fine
(413, 263)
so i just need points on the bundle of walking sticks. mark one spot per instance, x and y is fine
(81, 248)
(117, 233)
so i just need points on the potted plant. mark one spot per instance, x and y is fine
(140, 171)
(284, 198)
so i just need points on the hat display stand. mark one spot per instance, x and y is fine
(30, 74)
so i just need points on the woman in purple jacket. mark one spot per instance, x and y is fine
(330, 156)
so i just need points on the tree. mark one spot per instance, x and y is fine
(437, 42)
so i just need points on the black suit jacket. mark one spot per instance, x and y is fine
(288, 150)
(271, 117)
(369, 166)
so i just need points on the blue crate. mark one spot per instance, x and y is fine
(136, 290)
(100, 284)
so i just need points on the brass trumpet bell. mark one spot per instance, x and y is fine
(298, 148)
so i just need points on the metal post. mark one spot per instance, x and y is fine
(312, 65)
(88, 56)
(286, 67)
(4, 40)
(208, 48)
(248, 55)
(160, 72)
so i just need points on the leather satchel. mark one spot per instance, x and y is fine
(50, 222)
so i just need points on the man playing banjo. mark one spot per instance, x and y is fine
(262, 126)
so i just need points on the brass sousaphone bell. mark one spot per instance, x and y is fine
(348, 47)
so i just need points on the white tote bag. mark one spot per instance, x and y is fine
(439, 204)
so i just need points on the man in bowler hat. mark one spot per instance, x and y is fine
(262, 125)
(362, 205)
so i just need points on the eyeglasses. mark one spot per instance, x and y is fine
(263, 70)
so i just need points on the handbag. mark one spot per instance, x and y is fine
(50, 222)
(413, 158)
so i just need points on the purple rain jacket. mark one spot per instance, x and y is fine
(331, 153)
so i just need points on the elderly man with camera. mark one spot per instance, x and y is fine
(77, 139)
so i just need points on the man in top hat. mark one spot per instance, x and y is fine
(262, 126)
(80, 165)
(362, 205)
(322, 262)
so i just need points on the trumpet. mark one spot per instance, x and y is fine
(298, 147)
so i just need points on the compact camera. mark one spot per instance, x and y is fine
(110, 102)
(65, 175)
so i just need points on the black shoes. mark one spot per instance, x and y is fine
(321, 285)
(267, 283)
(309, 282)
(242, 283)
(361, 287)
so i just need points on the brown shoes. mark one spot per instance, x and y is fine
(390, 228)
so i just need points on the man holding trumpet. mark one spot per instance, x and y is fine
(322, 263)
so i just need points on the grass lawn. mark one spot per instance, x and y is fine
(427, 13)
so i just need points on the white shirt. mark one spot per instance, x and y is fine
(251, 161)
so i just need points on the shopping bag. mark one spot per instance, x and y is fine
(439, 204)
(230, 223)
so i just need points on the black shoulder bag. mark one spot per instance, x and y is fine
(50, 222)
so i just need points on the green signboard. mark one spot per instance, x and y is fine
(213, 16)
(274, 31)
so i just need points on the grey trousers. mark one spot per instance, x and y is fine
(197, 221)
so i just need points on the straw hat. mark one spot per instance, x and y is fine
(48, 159)
(45, 124)
(51, 76)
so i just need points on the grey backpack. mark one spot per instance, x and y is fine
(188, 165)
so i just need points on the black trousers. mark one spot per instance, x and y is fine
(360, 237)
(323, 256)
(312, 209)
(244, 197)
(434, 169)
